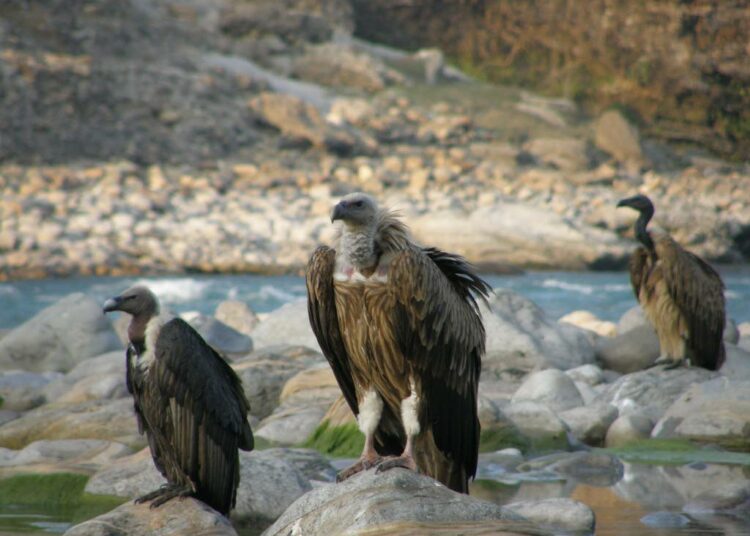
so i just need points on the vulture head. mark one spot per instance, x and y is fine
(356, 210)
(138, 301)
(639, 202)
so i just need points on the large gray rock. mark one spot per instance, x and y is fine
(287, 325)
(94, 419)
(736, 363)
(550, 387)
(628, 352)
(59, 337)
(558, 514)
(589, 424)
(226, 340)
(587, 374)
(539, 423)
(179, 517)
(628, 429)
(395, 502)
(718, 409)
(65, 454)
(21, 390)
(101, 377)
(653, 389)
(521, 336)
(632, 318)
(613, 134)
(264, 373)
(237, 315)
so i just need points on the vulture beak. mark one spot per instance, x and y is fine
(338, 212)
(625, 202)
(112, 304)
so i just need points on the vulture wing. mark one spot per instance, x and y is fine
(207, 412)
(638, 266)
(438, 326)
(698, 291)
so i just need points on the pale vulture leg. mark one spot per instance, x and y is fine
(165, 493)
(410, 420)
(370, 410)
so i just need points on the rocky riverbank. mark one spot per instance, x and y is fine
(225, 151)
(551, 395)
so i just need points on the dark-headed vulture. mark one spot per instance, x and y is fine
(187, 400)
(681, 295)
(400, 326)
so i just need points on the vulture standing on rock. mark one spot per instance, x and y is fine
(681, 295)
(189, 402)
(400, 326)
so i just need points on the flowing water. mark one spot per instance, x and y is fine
(638, 499)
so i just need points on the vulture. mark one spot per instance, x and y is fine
(401, 329)
(187, 400)
(681, 295)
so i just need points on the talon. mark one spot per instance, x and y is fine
(406, 462)
(359, 466)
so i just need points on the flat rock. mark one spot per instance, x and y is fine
(397, 501)
(287, 325)
(628, 429)
(551, 387)
(559, 514)
(179, 517)
(633, 350)
(718, 409)
(589, 374)
(59, 337)
(590, 423)
(21, 390)
(95, 419)
(65, 454)
(539, 423)
(96, 378)
(654, 388)
(521, 336)
(222, 338)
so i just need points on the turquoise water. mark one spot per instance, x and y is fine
(606, 294)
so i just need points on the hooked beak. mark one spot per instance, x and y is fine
(338, 212)
(625, 202)
(112, 304)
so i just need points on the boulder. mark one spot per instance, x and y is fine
(633, 350)
(628, 429)
(567, 154)
(95, 419)
(587, 320)
(737, 363)
(632, 318)
(716, 410)
(237, 315)
(586, 374)
(59, 337)
(551, 387)
(539, 423)
(304, 399)
(521, 336)
(653, 389)
(178, 517)
(615, 135)
(264, 373)
(558, 514)
(287, 325)
(395, 502)
(101, 377)
(589, 424)
(226, 340)
(65, 454)
(22, 390)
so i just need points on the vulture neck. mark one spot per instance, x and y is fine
(358, 246)
(643, 236)
(137, 328)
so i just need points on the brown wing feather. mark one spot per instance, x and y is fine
(441, 331)
(698, 291)
(639, 267)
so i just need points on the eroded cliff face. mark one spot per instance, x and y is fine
(680, 65)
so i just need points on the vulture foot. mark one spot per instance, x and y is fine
(407, 462)
(362, 465)
(668, 362)
(165, 493)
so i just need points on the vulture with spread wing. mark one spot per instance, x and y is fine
(401, 329)
(681, 295)
(189, 402)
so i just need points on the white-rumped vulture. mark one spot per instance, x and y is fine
(187, 400)
(401, 329)
(681, 295)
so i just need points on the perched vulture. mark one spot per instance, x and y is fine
(189, 402)
(681, 295)
(400, 326)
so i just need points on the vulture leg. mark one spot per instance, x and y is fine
(410, 420)
(371, 408)
(669, 362)
(165, 493)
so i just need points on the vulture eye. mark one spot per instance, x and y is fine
(358, 204)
